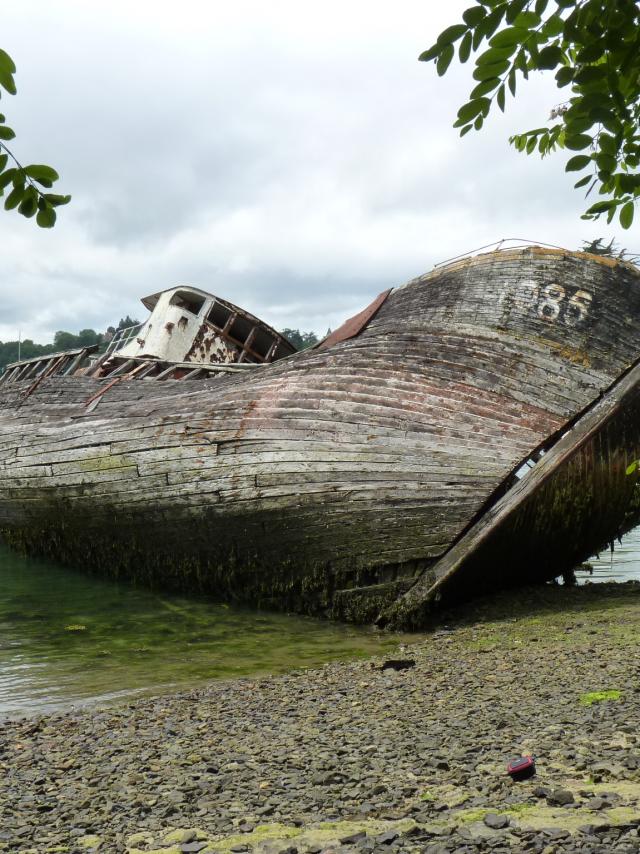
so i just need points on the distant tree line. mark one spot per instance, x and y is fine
(62, 340)
(301, 340)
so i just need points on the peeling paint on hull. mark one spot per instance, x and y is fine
(338, 480)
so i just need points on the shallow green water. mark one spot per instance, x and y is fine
(68, 639)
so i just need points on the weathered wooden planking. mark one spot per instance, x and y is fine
(580, 492)
(336, 469)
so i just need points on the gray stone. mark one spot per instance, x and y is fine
(598, 804)
(560, 797)
(353, 838)
(495, 821)
(387, 837)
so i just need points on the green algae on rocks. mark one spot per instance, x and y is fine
(599, 697)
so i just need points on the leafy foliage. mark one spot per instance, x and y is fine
(126, 322)
(62, 341)
(594, 48)
(301, 340)
(22, 183)
(608, 250)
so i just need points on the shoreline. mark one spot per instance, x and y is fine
(352, 758)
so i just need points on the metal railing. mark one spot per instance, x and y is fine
(123, 337)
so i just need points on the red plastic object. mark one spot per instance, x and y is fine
(522, 768)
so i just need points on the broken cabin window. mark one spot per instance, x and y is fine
(187, 301)
(261, 343)
(218, 315)
(240, 329)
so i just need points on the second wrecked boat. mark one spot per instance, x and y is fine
(364, 479)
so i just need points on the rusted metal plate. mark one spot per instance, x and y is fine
(354, 325)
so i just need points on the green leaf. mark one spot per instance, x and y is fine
(29, 205)
(14, 198)
(514, 8)
(6, 132)
(7, 65)
(527, 20)
(512, 81)
(4, 159)
(464, 51)
(607, 144)
(473, 15)
(57, 200)
(578, 142)
(493, 55)
(626, 215)
(590, 53)
(606, 163)
(6, 178)
(472, 109)
(540, 6)
(531, 145)
(484, 87)
(478, 122)
(579, 125)
(604, 116)
(431, 53)
(7, 82)
(601, 207)
(491, 23)
(484, 72)
(564, 75)
(444, 60)
(632, 467)
(465, 130)
(500, 97)
(46, 217)
(582, 182)
(41, 173)
(508, 38)
(575, 164)
(590, 73)
(452, 34)
(549, 57)
(553, 26)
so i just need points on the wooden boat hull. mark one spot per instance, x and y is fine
(338, 480)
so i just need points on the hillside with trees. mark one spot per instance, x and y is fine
(87, 337)
(61, 341)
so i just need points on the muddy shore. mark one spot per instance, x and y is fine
(353, 758)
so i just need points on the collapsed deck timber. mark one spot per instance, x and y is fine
(365, 479)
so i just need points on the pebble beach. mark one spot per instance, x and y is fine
(352, 757)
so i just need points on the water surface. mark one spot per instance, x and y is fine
(621, 564)
(68, 639)
(71, 639)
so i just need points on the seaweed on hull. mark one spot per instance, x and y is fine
(470, 430)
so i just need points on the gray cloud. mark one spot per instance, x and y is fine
(295, 158)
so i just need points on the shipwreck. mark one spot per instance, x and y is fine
(472, 429)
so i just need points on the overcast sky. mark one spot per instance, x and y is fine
(292, 157)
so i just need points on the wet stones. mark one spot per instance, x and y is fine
(560, 797)
(350, 759)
